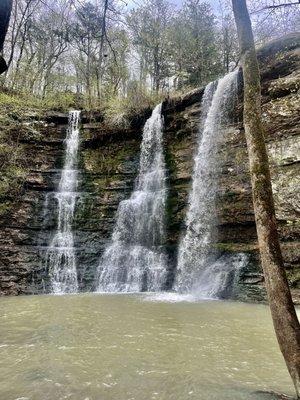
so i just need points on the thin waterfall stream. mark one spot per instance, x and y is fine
(197, 270)
(60, 256)
(135, 261)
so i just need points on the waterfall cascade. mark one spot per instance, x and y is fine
(197, 269)
(60, 256)
(134, 260)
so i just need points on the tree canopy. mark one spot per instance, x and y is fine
(101, 49)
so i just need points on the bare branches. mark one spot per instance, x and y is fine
(103, 31)
(97, 47)
(276, 6)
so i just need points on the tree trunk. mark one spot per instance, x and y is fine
(5, 10)
(88, 72)
(156, 70)
(101, 55)
(285, 320)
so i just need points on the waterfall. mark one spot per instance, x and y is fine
(134, 260)
(196, 268)
(60, 256)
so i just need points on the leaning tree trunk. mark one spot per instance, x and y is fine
(5, 10)
(284, 316)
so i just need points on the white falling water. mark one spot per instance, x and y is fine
(135, 261)
(195, 271)
(60, 257)
(220, 279)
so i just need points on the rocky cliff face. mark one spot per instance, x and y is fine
(108, 165)
(280, 71)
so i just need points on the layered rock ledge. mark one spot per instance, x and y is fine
(108, 167)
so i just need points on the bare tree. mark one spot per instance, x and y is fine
(21, 14)
(272, 18)
(284, 316)
(149, 26)
(281, 5)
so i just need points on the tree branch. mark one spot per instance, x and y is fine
(275, 6)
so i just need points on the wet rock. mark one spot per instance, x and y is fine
(108, 166)
(280, 66)
(270, 396)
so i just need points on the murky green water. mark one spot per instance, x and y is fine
(127, 347)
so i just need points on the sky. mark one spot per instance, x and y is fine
(132, 3)
(179, 2)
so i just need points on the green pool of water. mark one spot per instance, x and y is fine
(136, 347)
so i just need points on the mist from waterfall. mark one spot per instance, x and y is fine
(60, 256)
(197, 268)
(135, 261)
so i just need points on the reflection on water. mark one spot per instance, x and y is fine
(136, 347)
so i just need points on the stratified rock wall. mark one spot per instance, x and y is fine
(109, 163)
(108, 167)
(280, 70)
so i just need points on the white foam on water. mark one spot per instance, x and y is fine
(169, 297)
